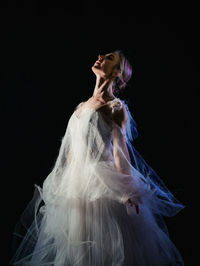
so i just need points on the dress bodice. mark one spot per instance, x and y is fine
(89, 128)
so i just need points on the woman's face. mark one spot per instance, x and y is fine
(106, 65)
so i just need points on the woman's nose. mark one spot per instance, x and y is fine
(100, 57)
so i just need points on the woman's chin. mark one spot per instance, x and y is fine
(96, 66)
(97, 70)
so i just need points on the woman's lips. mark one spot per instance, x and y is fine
(97, 64)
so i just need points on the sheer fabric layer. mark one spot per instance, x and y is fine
(79, 216)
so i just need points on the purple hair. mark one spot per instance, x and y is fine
(126, 73)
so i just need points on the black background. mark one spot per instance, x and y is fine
(46, 58)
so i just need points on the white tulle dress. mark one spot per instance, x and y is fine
(79, 216)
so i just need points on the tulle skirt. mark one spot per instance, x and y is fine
(103, 232)
(79, 216)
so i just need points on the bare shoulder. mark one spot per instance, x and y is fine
(106, 109)
(120, 114)
(118, 105)
(124, 110)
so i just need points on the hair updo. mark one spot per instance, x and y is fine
(126, 73)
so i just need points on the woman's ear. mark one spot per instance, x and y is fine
(116, 73)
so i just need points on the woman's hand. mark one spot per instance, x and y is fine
(130, 201)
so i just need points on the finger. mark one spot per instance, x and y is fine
(131, 203)
(137, 208)
(106, 84)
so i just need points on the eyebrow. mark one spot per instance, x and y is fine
(110, 54)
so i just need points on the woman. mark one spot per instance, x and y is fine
(102, 203)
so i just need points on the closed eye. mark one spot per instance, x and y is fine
(110, 57)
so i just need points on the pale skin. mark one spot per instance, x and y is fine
(106, 71)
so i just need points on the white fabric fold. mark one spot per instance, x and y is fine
(84, 219)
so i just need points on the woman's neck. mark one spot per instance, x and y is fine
(103, 89)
